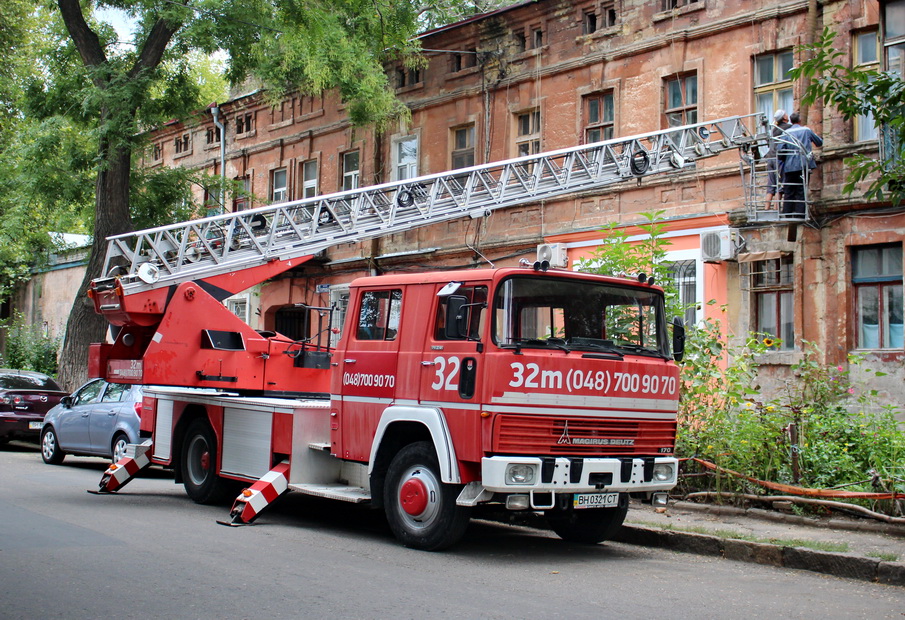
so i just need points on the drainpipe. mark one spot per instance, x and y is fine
(215, 112)
(810, 36)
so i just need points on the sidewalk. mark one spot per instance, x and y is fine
(841, 546)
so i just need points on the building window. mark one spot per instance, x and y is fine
(212, 199)
(877, 283)
(183, 144)
(684, 276)
(158, 151)
(537, 38)
(405, 161)
(772, 84)
(242, 197)
(463, 147)
(867, 57)
(463, 60)
(675, 4)
(309, 178)
(894, 35)
(771, 283)
(278, 185)
(519, 43)
(212, 135)
(379, 316)
(600, 16)
(681, 107)
(351, 170)
(407, 77)
(528, 133)
(600, 113)
(245, 123)
(239, 307)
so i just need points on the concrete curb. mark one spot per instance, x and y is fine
(836, 564)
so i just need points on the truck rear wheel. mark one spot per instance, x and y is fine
(420, 509)
(199, 465)
(591, 525)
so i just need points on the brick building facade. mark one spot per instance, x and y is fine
(539, 76)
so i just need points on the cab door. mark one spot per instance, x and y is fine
(368, 368)
(452, 365)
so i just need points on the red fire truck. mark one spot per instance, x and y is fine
(530, 388)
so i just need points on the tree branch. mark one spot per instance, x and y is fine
(154, 47)
(85, 39)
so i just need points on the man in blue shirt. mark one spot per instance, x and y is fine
(796, 157)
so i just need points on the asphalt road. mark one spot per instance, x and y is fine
(149, 552)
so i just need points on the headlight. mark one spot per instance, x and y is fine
(520, 473)
(663, 472)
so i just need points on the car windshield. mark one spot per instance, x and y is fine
(11, 381)
(573, 314)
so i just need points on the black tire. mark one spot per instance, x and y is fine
(591, 525)
(420, 509)
(199, 463)
(50, 447)
(118, 446)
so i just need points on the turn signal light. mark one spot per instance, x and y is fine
(246, 492)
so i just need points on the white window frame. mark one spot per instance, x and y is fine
(351, 175)
(407, 169)
(279, 193)
(309, 184)
(239, 305)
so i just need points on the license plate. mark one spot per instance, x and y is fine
(595, 500)
(34, 426)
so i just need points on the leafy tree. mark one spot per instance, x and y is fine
(303, 45)
(856, 91)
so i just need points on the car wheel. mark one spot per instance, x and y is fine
(120, 442)
(589, 526)
(50, 447)
(199, 464)
(421, 510)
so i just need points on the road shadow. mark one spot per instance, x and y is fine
(485, 539)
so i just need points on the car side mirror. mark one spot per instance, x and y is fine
(456, 317)
(678, 339)
(66, 401)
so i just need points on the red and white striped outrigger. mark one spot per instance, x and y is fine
(259, 495)
(121, 473)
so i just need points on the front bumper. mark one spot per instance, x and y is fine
(581, 475)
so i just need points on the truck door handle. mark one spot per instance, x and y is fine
(349, 361)
(428, 363)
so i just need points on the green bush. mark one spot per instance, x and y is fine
(845, 438)
(28, 347)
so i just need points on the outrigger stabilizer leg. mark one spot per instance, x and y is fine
(120, 473)
(259, 495)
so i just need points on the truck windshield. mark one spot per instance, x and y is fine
(579, 315)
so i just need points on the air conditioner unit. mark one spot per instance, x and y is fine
(553, 253)
(718, 246)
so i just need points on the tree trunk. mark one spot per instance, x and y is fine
(111, 218)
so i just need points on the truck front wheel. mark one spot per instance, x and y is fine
(420, 509)
(588, 526)
(199, 465)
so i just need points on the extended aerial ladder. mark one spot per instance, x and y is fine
(166, 282)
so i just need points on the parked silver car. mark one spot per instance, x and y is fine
(98, 419)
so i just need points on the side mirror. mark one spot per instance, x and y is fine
(456, 317)
(678, 339)
(66, 401)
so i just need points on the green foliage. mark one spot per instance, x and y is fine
(844, 437)
(617, 256)
(28, 347)
(856, 91)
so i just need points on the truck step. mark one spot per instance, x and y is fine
(323, 447)
(356, 495)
